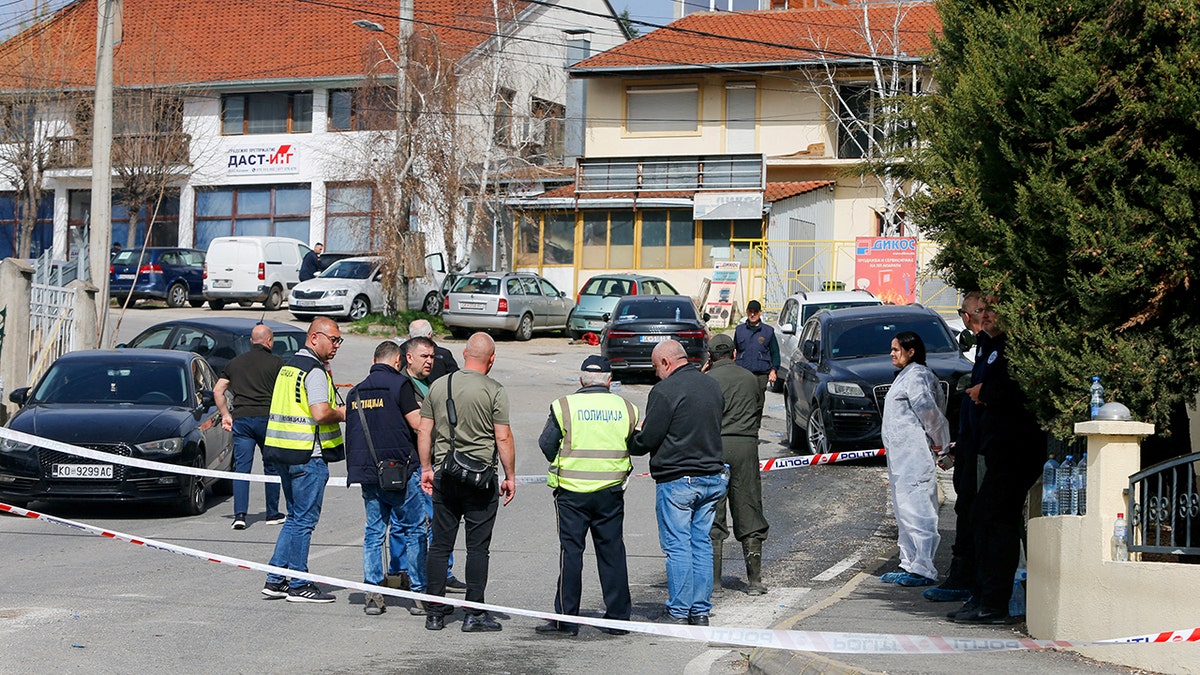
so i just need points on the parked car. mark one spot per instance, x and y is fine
(350, 288)
(252, 269)
(839, 377)
(172, 274)
(425, 293)
(145, 403)
(217, 339)
(798, 309)
(639, 322)
(598, 296)
(517, 302)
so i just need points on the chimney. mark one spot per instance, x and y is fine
(579, 47)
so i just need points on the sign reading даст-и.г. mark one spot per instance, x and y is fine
(887, 267)
(261, 160)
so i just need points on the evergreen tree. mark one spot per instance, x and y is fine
(1060, 151)
(627, 23)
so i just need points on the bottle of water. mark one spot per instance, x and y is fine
(1120, 543)
(1016, 604)
(1062, 485)
(1097, 396)
(1079, 487)
(1049, 492)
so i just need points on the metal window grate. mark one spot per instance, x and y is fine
(662, 174)
(1164, 507)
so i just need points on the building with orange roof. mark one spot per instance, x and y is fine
(747, 126)
(254, 118)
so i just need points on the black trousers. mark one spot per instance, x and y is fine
(999, 520)
(603, 514)
(455, 503)
(966, 485)
(744, 496)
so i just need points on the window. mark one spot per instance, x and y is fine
(663, 109)
(741, 113)
(682, 252)
(503, 133)
(654, 239)
(281, 211)
(17, 121)
(546, 131)
(559, 244)
(668, 239)
(529, 236)
(856, 122)
(165, 231)
(349, 218)
(607, 240)
(10, 225)
(140, 114)
(715, 240)
(271, 112)
(363, 109)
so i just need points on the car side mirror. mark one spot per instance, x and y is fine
(966, 341)
(562, 294)
(19, 395)
(606, 316)
(207, 400)
(705, 317)
(788, 329)
(121, 346)
(809, 350)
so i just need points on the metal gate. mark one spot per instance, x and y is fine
(51, 314)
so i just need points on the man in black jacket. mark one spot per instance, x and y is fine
(682, 435)
(443, 359)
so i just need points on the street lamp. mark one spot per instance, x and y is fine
(369, 25)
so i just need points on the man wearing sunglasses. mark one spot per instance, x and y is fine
(303, 433)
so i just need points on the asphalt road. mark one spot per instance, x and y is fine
(71, 601)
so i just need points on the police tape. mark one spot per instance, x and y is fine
(772, 464)
(791, 640)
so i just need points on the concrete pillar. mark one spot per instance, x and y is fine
(86, 315)
(16, 276)
(1114, 454)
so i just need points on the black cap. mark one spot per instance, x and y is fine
(721, 344)
(595, 364)
(753, 306)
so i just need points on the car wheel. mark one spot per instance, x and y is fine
(177, 295)
(818, 438)
(274, 299)
(795, 434)
(196, 303)
(245, 303)
(194, 503)
(524, 329)
(359, 307)
(216, 304)
(571, 332)
(432, 304)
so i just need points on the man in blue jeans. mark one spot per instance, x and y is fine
(251, 379)
(682, 435)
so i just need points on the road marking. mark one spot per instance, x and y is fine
(845, 564)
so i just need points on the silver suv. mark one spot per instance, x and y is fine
(799, 308)
(518, 302)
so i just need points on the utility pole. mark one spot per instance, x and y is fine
(100, 219)
(401, 159)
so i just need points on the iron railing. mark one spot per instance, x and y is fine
(168, 149)
(1164, 507)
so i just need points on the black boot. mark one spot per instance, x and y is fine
(717, 545)
(752, 551)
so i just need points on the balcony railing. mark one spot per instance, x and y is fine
(72, 152)
(1164, 503)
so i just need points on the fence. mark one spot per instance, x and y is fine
(51, 313)
(1164, 507)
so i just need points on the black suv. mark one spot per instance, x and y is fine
(838, 378)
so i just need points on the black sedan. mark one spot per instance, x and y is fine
(639, 322)
(218, 340)
(145, 403)
(839, 376)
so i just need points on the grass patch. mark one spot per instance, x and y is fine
(398, 321)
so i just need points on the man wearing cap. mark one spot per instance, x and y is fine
(757, 348)
(740, 420)
(585, 440)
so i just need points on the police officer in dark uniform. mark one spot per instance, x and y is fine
(586, 440)
(756, 347)
(375, 421)
(739, 449)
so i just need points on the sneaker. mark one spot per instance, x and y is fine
(435, 622)
(946, 594)
(239, 522)
(453, 585)
(276, 590)
(309, 593)
(985, 616)
(374, 604)
(915, 580)
(968, 606)
(480, 623)
(418, 608)
(275, 520)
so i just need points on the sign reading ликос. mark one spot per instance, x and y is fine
(262, 160)
(887, 267)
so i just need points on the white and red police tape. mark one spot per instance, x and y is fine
(794, 640)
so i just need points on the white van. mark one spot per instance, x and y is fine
(252, 269)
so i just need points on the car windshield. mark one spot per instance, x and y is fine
(661, 309)
(483, 285)
(137, 382)
(852, 340)
(809, 310)
(349, 269)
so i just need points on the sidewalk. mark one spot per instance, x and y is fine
(866, 605)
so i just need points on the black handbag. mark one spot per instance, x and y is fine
(460, 467)
(393, 474)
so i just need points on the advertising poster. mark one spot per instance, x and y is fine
(719, 303)
(887, 267)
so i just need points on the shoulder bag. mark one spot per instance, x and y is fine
(460, 467)
(393, 474)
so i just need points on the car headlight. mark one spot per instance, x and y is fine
(14, 447)
(340, 293)
(167, 446)
(846, 389)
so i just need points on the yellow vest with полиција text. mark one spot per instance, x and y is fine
(292, 433)
(593, 455)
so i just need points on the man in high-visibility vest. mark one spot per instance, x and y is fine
(585, 440)
(302, 433)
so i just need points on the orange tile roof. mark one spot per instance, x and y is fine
(210, 41)
(783, 190)
(773, 193)
(771, 37)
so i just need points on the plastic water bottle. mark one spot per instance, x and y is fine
(1079, 487)
(615, 386)
(1097, 396)
(1062, 485)
(1016, 604)
(1120, 542)
(1049, 493)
